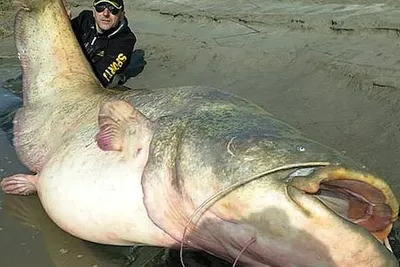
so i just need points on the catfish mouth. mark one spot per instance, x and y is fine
(359, 203)
(356, 197)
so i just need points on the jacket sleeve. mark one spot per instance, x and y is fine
(115, 60)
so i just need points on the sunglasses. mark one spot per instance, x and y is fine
(102, 6)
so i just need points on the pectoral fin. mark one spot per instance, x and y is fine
(19, 184)
(123, 128)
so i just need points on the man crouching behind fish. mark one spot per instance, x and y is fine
(190, 166)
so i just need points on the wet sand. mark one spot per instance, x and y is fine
(330, 70)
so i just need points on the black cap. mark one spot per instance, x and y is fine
(118, 4)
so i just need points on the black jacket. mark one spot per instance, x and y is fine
(109, 52)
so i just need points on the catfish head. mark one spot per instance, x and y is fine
(269, 200)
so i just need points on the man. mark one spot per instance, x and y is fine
(107, 42)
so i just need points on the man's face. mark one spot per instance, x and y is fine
(105, 20)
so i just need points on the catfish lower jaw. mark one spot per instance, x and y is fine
(355, 197)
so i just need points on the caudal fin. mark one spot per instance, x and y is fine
(49, 52)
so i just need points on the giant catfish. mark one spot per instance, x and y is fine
(189, 167)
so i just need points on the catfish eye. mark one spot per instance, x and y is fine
(301, 148)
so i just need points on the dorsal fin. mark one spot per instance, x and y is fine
(123, 128)
(49, 52)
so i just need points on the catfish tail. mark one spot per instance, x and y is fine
(49, 52)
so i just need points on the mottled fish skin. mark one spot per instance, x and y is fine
(208, 140)
(140, 178)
